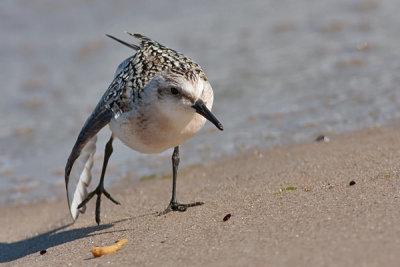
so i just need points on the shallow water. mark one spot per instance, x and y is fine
(282, 72)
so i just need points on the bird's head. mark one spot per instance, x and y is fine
(180, 95)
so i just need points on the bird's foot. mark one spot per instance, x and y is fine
(175, 206)
(98, 191)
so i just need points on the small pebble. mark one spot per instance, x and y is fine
(227, 217)
(42, 252)
(322, 138)
(352, 183)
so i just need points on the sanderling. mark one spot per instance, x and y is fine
(158, 100)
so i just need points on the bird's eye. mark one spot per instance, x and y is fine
(174, 91)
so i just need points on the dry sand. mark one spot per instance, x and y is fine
(324, 222)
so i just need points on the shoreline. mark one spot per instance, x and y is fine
(320, 219)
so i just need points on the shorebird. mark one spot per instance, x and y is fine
(158, 99)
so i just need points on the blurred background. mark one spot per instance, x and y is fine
(282, 72)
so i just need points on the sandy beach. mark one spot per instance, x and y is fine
(319, 220)
(283, 72)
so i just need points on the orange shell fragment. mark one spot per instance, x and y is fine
(100, 251)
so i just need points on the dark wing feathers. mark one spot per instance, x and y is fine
(97, 120)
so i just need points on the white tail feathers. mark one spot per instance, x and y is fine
(80, 178)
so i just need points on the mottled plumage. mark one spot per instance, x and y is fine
(137, 71)
(157, 100)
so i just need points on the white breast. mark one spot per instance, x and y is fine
(153, 132)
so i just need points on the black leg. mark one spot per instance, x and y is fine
(173, 204)
(100, 188)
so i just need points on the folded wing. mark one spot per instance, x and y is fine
(80, 161)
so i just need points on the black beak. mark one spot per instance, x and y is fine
(201, 108)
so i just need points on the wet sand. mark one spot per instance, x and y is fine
(320, 220)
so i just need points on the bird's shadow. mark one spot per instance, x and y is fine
(15, 250)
